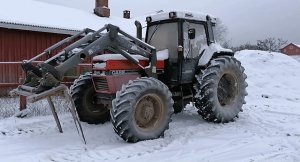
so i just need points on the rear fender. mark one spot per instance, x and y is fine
(211, 51)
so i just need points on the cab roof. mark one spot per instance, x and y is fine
(181, 15)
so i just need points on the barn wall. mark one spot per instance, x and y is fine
(291, 50)
(18, 45)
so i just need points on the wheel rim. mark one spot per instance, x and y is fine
(91, 102)
(149, 111)
(227, 89)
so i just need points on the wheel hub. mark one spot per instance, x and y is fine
(148, 111)
(93, 105)
(227, 89)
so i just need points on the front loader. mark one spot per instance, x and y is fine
(143, 82)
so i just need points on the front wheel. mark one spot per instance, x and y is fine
(222, 90)
(142, 110)
(86, 101)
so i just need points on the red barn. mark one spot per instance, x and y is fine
(29, 27)
(20, 42)
(291, 50)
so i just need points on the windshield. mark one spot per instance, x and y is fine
(164, 36)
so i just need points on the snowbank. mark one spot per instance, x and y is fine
(272, 75)
(296, 58)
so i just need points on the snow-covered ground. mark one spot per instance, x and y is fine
(296, 58)
(267, 130)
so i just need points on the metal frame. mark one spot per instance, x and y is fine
(28, 92)
(92, 44)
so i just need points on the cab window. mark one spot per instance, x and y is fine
(192, 47)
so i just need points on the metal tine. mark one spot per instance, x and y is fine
(27, 88)
(32, 97)
(54, 114)
(75, 116)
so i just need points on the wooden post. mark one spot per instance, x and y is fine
(23, 103)
(54, 113)
(23, 99)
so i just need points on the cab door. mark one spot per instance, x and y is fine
(192, 48)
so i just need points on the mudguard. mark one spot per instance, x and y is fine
(209, 51)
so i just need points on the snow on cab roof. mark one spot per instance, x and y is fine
(41, 16)
(182, 14)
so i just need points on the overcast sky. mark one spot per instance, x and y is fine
(246, 20)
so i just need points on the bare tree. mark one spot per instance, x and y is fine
(221, 32)
(246, 46)
(271, 44)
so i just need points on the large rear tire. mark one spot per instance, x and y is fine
(222, 90)
(84, 96)
(142, 110)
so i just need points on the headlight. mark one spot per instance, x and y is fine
(148, 19)
(172, 15)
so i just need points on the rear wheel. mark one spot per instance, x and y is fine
(85, 99)
(142, 110)
(222, 90)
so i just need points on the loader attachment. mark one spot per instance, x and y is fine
(88, 44)
(31, 96)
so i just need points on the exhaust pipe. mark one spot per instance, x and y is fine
(138, 29)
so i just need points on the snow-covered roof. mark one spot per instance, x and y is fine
(295, 45)
(40, 16)
(182, 14)
(284, 46)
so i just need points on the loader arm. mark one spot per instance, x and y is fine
(115, 39)
(91, 45)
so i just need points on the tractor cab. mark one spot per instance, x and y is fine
(185, 35)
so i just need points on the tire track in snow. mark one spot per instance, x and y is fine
(112, 148)
(27, 127)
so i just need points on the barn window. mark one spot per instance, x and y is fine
(297, 50)
(291, 47)
(284, 50)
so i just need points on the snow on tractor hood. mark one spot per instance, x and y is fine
(161, 55)
(209, 51)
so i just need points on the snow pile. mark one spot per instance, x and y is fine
(272, 75)
(267, 130)
(296, 58)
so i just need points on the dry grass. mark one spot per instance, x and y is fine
(10, 106)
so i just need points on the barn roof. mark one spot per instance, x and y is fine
(45, 17)
(296, 45)
(290, 44)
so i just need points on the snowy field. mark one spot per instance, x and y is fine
(267, 130)
(297, 58)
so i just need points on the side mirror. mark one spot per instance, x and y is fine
(192, 33)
